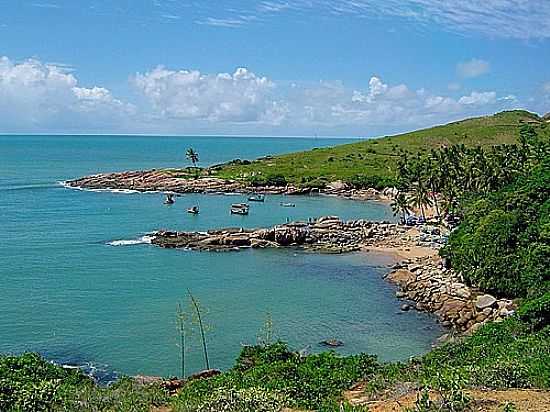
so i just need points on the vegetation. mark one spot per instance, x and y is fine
(373, 162)
(502, 245)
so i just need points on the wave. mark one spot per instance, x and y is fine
(85, 189)
(147, 239)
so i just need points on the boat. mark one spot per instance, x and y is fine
(169, 199)
(256, 198)
(239, 209)
(193, 210)
(288, 204)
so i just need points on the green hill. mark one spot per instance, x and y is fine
(373, 161)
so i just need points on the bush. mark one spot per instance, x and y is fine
(271, 180)
(368, 181)
(503, 242)
(536, 312)
(314, 382)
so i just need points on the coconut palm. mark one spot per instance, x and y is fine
(420, 197)
(399, 205)
(193, 156)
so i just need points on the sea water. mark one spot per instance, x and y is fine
(80, 283)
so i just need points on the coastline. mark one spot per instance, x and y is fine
(170, 181)
(423, 282)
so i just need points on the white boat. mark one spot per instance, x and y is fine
(240, 209)
(256, 198)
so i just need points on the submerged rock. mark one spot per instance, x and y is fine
(333, 343)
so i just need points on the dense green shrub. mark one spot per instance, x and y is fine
(314, 381)
(536, 312)
(503, 242)
(371, 181)
(270, 180)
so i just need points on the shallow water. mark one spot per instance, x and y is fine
(79, 286)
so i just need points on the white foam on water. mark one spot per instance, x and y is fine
(122, 191)
(147, 239)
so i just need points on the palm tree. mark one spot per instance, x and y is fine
(420, 197)
(400, 204)
(193, 156)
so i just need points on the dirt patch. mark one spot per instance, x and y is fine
(529, 400)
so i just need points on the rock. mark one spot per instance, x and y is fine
(332, 343)
(400, 295)
(485, 301)
(401, 277)
(405, 307)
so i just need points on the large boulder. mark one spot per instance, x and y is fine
(485, 301)
(401, 277)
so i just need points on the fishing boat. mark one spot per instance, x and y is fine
(256, 198)
(169, 199)
(288, 205)
(239, 209)
(193, 210)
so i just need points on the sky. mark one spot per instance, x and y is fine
(292, 68)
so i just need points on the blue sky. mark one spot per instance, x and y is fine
(302, 67)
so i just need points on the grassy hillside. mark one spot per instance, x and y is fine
(373, 161)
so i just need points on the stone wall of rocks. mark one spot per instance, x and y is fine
(328, 233)
(433, 288)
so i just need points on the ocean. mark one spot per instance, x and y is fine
(80, 284)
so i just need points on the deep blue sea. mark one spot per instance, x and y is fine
(78, 289)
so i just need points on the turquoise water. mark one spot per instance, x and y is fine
(68, 293)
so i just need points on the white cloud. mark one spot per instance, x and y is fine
(476, 98)
(191, 95)
(473, 68)
(34, 94)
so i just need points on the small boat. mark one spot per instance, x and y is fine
(256, 198)
(288, 205)
(193, 210)
(239, 209)
(169, 199)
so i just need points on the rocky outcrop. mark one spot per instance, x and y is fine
(433, 288)
(327, 233)
(172, 180)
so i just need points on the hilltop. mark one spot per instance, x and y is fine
(372, 162)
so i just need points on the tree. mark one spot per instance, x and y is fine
(400, 204)
(420, 197)
(193, 157)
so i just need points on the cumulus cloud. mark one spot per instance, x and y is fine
(473, 68)
(190, 95)
(381, 104)
(36, 94)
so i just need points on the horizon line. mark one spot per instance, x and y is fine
(186, 135)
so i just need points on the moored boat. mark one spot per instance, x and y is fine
(193, 210)
(256, 198)
(169, 199)
(239, 209)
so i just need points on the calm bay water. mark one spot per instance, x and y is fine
(68, 293)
